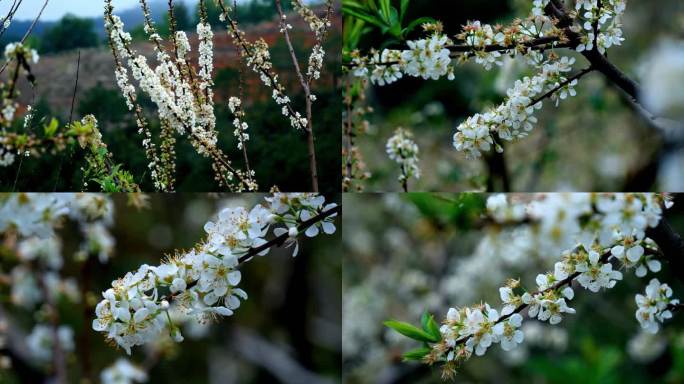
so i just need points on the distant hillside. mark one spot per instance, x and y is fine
(55, 73)
(131, 17)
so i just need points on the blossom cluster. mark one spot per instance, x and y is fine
(258, 59)
(34, 218)
(402, 149)
(235, 106)
(431, 57)
(24, 55)
(595, 230)
(40, 341)
(514, 118)
(319, 26)
(655, 306)
(14, 50)
(123, 372)
(203, 282)
(426, 58)
(599, 23)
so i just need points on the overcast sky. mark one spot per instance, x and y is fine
(58, 8)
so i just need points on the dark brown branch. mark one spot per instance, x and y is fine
(538, 44)
(671, 246)
(597, 60)
(278, 241)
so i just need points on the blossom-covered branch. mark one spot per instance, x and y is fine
(402, 149)
(602, 229)
(173, 88)
(202, 282)
(258, 59)
(591, 28)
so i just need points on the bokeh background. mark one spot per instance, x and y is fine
(277, 152)
(408, 253)
(287, 331)
(592, 142)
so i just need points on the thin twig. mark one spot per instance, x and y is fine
(577, 76)
(307, 95)
(567, 281)
(241, 91)
(28, 32)
(71, 120)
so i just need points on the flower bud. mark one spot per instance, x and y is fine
(164, 305)
(176, 335)
(293, 232)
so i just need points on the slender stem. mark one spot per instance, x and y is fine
(71, 118)
(404, 179)
(313, 169)
(577, 76)
(348, 132)
(241, 91)
(28, 32)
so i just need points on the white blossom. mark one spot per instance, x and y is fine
(654, 306)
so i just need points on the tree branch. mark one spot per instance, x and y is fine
(278, 241)
(671, 246)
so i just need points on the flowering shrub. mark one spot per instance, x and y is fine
(184, 98)
(181, 91)
(599, 233)
(100, 166)
(203, 281)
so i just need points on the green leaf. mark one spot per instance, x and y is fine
(365, 17)
(425, 319)
(385, 10)
(402, 11)
(433, 328)
(430, 325)
(51, 128)
(395, 25)
(411, 331)
(416, 354)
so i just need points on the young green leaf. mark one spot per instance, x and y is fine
(416, 354)
(402, 10)
(51, 128)
(430, 325)
(411, 331)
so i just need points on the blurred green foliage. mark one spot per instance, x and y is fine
(69, 33)
(417, 237)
